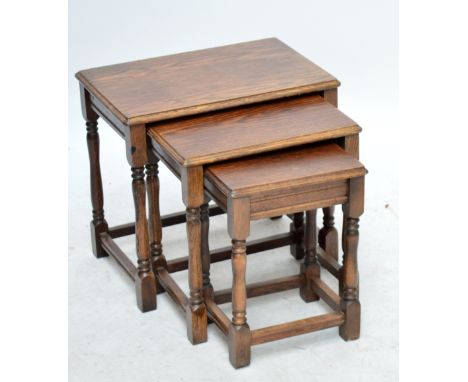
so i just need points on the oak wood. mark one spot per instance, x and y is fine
(239, 343)
(172, 288)
(316, 175)
(136, 146)
(295, 328)
(196, 314)
(205, 250)
(166, 221)
(261, 288)
(154, 217)
(98, 224)
(297, 227)
(217, 315)
(326, 294)
(310, 268)
(252, 129)
(349, 288)
(114, 250)
(329, 263)
(221, 254)
(282, 170)
(204, 80)
(145, 282)
(328, 235)
(239, 290)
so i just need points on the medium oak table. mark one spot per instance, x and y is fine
(185, 97)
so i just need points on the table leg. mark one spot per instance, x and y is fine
(328, 235)
(239, 335)
(193, 196)
(310, 268)
(349, 293)
(297, 226)
(205, 248)
(98, 224)
(145, 281)
(154, 218)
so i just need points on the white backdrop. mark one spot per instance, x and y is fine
(109, 339)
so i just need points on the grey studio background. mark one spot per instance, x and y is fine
(109, 338)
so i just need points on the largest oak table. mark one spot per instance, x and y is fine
(181, 109)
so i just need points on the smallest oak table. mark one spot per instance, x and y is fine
(162, 96)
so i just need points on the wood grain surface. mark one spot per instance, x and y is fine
(199, 81)
(252, 129)
(285, 169)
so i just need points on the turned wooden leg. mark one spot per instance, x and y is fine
(328, 235)
(197, 331)
(297, 227)
(145, 281)
(350, 305)
(155, 228)
(343, 245)
(310, 268)
(98, 224)
(239, 337)
(239, 331)
(205, 249)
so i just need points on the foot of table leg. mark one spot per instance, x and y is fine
(239, 345)
(145, 286)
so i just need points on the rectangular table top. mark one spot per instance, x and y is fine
(251, 129)
(272, 171)
(190, 83)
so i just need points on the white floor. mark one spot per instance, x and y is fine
(110, 340)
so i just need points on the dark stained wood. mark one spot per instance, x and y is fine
(239, 290)
(136, 147)
(297, 227)
(295, 328)
(166, 221)
(328, 235)
(171, 287)
(145, 281)
(283, 170)
(322, 172)
(205, 250)
(351, 145)
(196, 312)
(211, 79)
(217, 315)
(239, 342)
(221, 254)
(98, 224)
(329, 263)
(310, 268)
(251, 130)
(350, 305)
(154, 217)
(114, 250)
(261, 288)
(326, 294)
